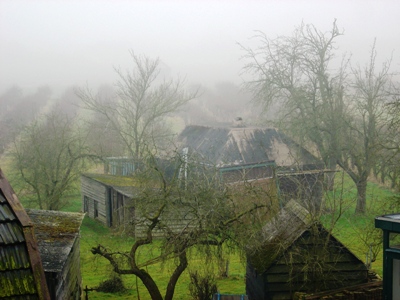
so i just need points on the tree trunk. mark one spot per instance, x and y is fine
(150, 285)
(183, 263)
(330, 176)
(361, 195)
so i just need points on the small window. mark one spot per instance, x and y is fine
(96, 209)
(85, 204)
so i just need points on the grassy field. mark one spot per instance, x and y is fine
(95, 269)
(352, 230)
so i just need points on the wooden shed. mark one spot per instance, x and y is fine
(108, 198)
(21, 270)
(58, 240)
(295, 253)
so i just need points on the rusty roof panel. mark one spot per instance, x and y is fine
(17, 282)
(6, 213)
(14, 257)
(10, 233)
(21, 271)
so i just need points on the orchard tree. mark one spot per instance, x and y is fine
(49, 156)
(143, 101)
(199, 217)
(365, 133)
(338, 113)
(295, 74)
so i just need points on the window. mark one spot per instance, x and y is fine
(85, 204)
(96, 209)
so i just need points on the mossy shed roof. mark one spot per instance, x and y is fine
(126, 185)
(56, 233)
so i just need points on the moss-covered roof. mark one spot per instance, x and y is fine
(288, 226)
(113, 180)
(279, 234)
(126, 185)
(56, 233)
(21, 271)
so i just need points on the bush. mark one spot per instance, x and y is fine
(112, 285)
(202, 287)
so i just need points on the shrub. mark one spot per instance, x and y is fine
(112, 285)
(202, 287)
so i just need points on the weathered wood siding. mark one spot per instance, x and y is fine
(123, 213)
(67, 284)
(292, 271)
(96, 195)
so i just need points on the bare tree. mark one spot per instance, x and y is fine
(341, 115)
(49, 156)
(202, 214)
(366, 132)
(142, 102)
(295, 73)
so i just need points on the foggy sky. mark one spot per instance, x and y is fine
(62, 43)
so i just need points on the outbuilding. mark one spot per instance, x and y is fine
(295, 253)
(58, 239)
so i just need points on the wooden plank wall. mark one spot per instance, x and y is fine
(69, 281)
(293, 272)
(95, 192)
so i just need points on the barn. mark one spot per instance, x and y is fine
(295, 253)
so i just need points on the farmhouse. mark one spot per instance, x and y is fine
(248, 153)
(297, 254)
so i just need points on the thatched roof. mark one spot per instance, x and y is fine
(221, 146)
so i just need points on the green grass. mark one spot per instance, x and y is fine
(356, 231)
(350, 229)
(95, 269)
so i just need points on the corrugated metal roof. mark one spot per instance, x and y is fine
(21, 272)
(56, 232)
(222, 146)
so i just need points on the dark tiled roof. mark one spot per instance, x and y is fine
(21, 272)
(222, 146)
(56, 232)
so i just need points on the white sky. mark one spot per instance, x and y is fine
(61, 43)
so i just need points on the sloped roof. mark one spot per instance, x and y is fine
(282, 232)
(56, 232)
(223, 146)
(21, 271)
(125, 185)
